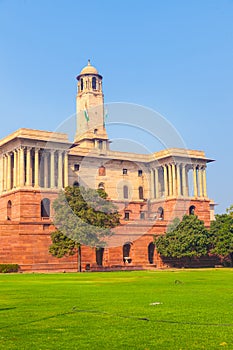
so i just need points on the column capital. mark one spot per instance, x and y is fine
(9, 153)
(51, 150)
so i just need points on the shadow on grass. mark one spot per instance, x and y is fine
(74, 310)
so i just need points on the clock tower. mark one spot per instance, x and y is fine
(90, 130)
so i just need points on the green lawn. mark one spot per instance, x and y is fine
(193, 310)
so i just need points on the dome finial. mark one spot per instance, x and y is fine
(89, 69)
(89, 62)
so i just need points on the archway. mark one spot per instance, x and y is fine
(126, 252)
(45, 208)
(9, 210)
(192, 210)
(151, 249)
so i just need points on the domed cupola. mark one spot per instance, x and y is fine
(89, 69)
(89, 80)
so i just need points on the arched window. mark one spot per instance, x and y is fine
(45, 208)
(9, 210)
(99, 253)
(151, 249)
(125, 192)
(126, 252)
(101, 186)
(192, 210)
(102, 171)
(76, 184)
(81, 84)
(140, 192)
(94, 83)
(160, 213)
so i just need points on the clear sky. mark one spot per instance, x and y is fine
(174, 56)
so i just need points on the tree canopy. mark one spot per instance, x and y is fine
(221, 231)
(187, 238)
(81, 217)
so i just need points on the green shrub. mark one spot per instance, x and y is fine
(6, 268)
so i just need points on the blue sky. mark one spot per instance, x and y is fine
(173, 56)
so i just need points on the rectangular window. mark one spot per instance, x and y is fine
(76, 167)
(139, 172)
(126, 215)
(142, 215)
(124, 171)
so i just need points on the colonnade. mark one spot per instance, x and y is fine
(172, 180)
(33, 167)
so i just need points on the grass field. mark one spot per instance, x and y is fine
(191, 309)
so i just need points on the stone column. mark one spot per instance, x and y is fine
(200, 184)
(9, 174)
(5, 172)
(66, 170)
(184, 185)
(22, 168)
(15, 169)
(195, 181)
(28, 167)
(174, 179)
(60, 182)
(178, 180)
(187, 182)
(36, 168)
(52, 169)
(152, 181)
(46, 170)
(104, 146)
(204, 181)
(18, 167)
(156, 183)
(165, 180)
(1, 173)
(170, 191)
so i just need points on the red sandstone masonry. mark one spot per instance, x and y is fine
(25, 238)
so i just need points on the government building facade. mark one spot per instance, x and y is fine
(150, 190)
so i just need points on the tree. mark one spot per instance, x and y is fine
(173, 225)
(81, 217)
(221, 231)
(185, 239)
(230, 211)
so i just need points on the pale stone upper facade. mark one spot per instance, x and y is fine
(41, 159)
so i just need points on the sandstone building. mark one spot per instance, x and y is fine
(150, 189)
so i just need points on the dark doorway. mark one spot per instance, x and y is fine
(151, 249)
(99, 256)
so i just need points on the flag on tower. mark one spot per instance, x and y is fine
(86, 113)
(105, 114)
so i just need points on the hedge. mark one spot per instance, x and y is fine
(6, 268)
